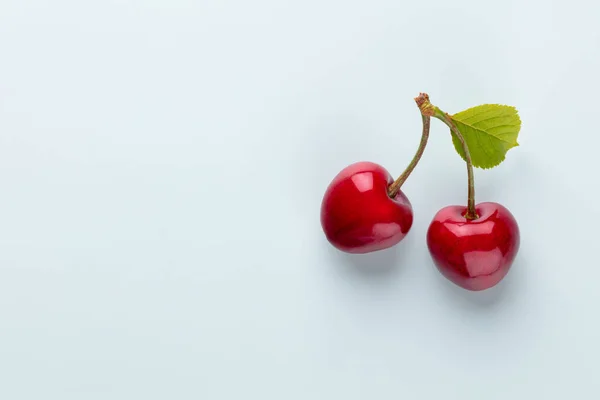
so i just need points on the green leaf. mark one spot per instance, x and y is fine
(490, 130)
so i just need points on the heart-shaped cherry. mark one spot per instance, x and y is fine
(475, 253)
(364, 210)
(357, 213)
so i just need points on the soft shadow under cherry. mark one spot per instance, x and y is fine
(381, 264)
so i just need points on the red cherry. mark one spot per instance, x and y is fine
(358, 215)
(474, 254)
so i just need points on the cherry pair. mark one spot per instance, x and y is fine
(364, 210)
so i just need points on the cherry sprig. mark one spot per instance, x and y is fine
(364, 209)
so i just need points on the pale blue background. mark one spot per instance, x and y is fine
(162, 164)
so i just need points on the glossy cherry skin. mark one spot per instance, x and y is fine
(474, 254)
(358, 215)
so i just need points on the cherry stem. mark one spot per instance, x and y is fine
(429, 109)
(394, 188)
